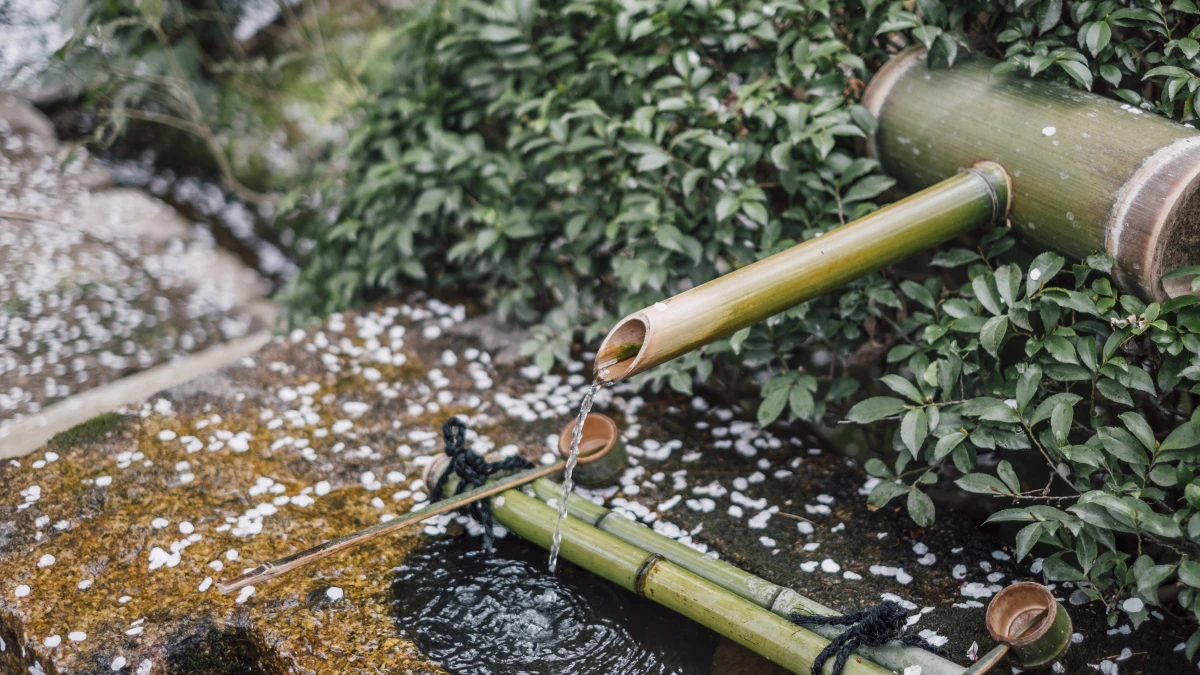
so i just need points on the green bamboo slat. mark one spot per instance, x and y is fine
(781, 601)
(668, 584)
(696, 317)
(603, 555)
(1088, 173)
(744, 584)
(742, 621)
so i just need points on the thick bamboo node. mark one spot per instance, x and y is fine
(1088, 173)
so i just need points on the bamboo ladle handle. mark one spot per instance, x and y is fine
(992, 658)
(596, 444)
(270, 570)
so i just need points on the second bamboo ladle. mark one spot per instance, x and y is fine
(601, 458)
(1029, 624)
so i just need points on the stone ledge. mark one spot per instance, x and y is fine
(130, 521)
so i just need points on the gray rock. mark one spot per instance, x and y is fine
(21, 117)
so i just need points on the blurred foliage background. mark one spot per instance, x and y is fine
(567, 162)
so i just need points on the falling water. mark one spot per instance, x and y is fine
(585, 407)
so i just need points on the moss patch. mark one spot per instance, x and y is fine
(95, 429)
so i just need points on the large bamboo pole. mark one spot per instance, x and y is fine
(780, 600)
(1088, 173)
(746, 296)
(654, 577)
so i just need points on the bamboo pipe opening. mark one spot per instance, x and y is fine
(621, 350)
(1156, 222)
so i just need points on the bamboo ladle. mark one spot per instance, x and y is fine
(600, 441)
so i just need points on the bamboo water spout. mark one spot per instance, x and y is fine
(1085, 174)
(696, 317)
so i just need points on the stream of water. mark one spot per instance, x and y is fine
(585, 407)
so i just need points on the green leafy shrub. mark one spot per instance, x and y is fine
(1080, 402)
(579, 160)
(553, 153)
(1143, 51)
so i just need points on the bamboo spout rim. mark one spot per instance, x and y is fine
(984, 167)
(1154, 226)
(613, 364)
(881, 85)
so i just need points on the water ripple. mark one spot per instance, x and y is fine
(504, 613)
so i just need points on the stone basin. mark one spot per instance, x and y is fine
(111, 536)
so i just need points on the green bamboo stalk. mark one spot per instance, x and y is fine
(746, 296)
(748, 586)
(656, 578)
(782, 601)
(1088, 173)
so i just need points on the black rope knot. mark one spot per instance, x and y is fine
(473, 471)
(872, 627)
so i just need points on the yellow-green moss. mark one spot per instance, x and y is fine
(90, 431)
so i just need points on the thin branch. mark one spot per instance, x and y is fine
(214, 147)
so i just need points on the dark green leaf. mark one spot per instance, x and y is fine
(913, 429)
(982, 483)
(771, 406)
(920, 508)
(875, 409)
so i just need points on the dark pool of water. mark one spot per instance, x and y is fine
(503, 613)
